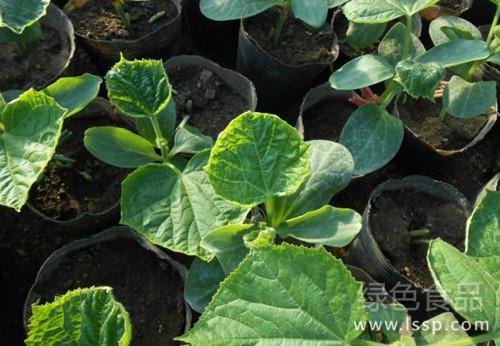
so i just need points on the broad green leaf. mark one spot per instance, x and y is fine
(329, 226)
(11, 95)
(483, 228)
(373, 136)
(336, 3)
(446, 333)
(139, 88)
(256, 157)
(166, 119)
(361, 72)
(30, 34)
(438, 36)
(495, 59)
(360, 36)
(31, 128)
(466, 286)
(390, 317)
(391, 46)
(119, 147)
(203, 280)
(331, 168)
(235, 9)
(312, 12)
(175, 209)
(491, 265)
(457, 52)
(373, 11)
(85, 316)
(419, 79)
(19, 14)
(467, 100)
(413, 7)
(283, 295)
(228, 245)
(74, 93)
(190, 140)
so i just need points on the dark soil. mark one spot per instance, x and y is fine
(298, 44)
(42, 63)
(215, 104)
(422, 117)
(66, 191)
(341, 25)
(150, 289)
(395, 213)
(98, 20)
(326, 119)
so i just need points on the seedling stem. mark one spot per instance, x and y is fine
(419, 233)
(160, 140)
(276, 33)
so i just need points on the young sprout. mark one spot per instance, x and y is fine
(419, 236)
(119, 8)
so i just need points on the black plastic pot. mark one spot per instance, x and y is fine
(104, 218)
(446, 8)
(365, 252)
(234, 80)
(492, 185)
(415, 144)
(44, 286)
(217, 39)
(340, 25)
(163, 42)
(276, 82)
(55, 19)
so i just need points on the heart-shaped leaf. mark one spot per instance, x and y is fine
(203, 280)
(235, 9)
(439, 36)
(19, 14)
(483, 228)
(312, 12)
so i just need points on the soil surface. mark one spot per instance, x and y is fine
(396, 213)
(97, 19)
(150, 289)
(422, 117)
(41, 63)
(326, 119)
(298, 45)
(87, 185)
(214, 103)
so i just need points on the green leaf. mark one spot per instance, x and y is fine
(31, 128)
(235, 9)
(373, 136)
(139, 88)
(74, 93)
(483, 228)
(85, 316)
(283, 295)
(331, 168)
(457, 52)
(465, 285)
(166, 119)
(361, 72)
(391, 46)
(360, 36)
(119, 147)
(439, 36)
(391, 318)
(30, 34)
(19, 14)
(248, 164)
(203, 280)
(446, 334)
(174, 209)
(312, 12)
(419, 79)
(2, 103)
(336, 3)
(490, 265)
(190, 140)
(228, 245)
(467, 100)
(373, 11)
(326, 226)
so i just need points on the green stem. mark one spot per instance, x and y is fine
(407, 41)
(21, 48)
(124, 16)
(390, 92)
(443, 115)
(493, 25)
(160, 140)
(276, 33)
(419, 233)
